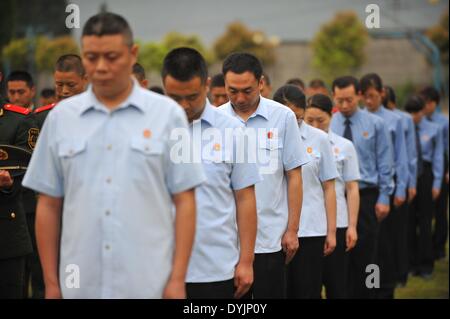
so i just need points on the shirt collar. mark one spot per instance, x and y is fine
(135, 99)
(262, 109)
(208, 114)
(332, 137)
(303, 127)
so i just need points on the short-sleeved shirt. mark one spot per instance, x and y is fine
(320, 168)
(114, 171)
(279, 150)
(215, 253)
(346, 160)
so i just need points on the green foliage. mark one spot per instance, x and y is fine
(439, 35)
(16, 53)
(339, 46)
(402, 92)
(238, 38)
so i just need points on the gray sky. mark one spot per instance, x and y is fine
(286, 19)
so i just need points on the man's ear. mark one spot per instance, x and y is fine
(144, 83)
(208, 84)
(33, 92)
(134, 52)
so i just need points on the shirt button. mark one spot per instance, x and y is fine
(107, 213)
(13, 215)
(109, 147)
(107, 247)
(108, 180)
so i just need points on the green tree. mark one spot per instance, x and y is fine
(238, 38)
(339, 45)
(16, 54)
(439, 35)
(48, 51)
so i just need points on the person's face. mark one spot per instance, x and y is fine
(298, 111)
(390, 105)
(191, 95)
(19, 93)
(317, 118)
(108, 62)
(68, 84)
(417, 116)
(266, 90)
(346, 100)
(243, 89)
(373, 99)
(218, 95)
(429, 108)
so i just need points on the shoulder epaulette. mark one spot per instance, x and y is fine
(44, 108)
(17, 109)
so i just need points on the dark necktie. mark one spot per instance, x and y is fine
(348, 130)
(419, 153)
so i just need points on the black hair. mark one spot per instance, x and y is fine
(317, 83)
(70, 63)
(242, 62)
(430, 94)
(371, 80)
(296, 81)
(139, 71)
(107, 23)
(344, 82)
(157, 89)
(390, 95)
(183, 64)
(47, 93)
(290, 94)
(414, 104)
(321, 102)
(217, 81)
(21, 76)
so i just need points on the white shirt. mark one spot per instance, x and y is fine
(277, 131)
(320, 168)
(346, 160)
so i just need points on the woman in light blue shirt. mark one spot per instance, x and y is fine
(317, 229)
(318, 114)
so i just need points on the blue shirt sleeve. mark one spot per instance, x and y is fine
(412, 153)
(328, 169)
(351, 165)
(44, 174)
(384, 162)
(401, 160)
(438, 160)
(293, 151)
(182, 176)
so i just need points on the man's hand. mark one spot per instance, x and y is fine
(399, 201)
(446, 178)
(351, 237)
(435, 192)
(175, 289)
(243, 279)
(289, 242)
(330, 244)
(412, 192)
(381, 211)
(6, 181)
(52, 291)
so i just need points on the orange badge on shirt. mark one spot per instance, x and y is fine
(147, 133)
(270, 135)
(309, 150)
(336, 150)
(365, 134)
(217, 147)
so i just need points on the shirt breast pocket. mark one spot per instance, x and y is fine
(72, 157)
(270, 156)
(146, 158)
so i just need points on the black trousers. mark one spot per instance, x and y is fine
(211, 290)
(387, 253)
(12, 275)
(421, 212)
(304, 274)
(335, 270)
(269, 272)
(401, 243)
(365, 251)
(33, 268)
(440, 233)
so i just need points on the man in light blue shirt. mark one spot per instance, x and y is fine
(440, 234)
(373, 92)
(103, 168)
(221, 264)
(372, 142)
(280, 157)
